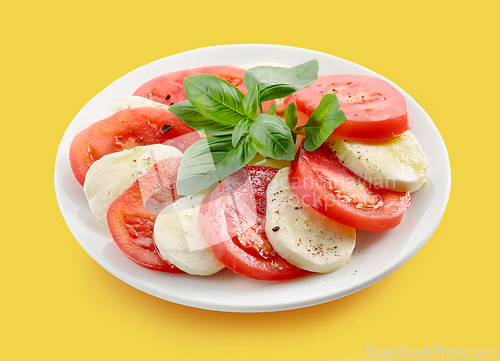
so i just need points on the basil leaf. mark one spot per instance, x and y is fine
(193, 118)
(322, 122)
(291, 118)
(251, 102)
(280, 82)
(210, 160)
(215, 98)
(276, 91)
(271, 137)
(240, 129)
(272, 109)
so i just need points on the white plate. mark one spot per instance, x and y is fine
(377, 254)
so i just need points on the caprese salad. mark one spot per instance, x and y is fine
(267, 171)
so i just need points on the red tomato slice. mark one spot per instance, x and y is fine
(321, 180)
(131, 217)
(169, 88)
(373, 108)
(233, 219)
(127, 129)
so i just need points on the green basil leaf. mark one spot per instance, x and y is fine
(215, 98)
(322, 122)
(272, 109)
(280, 82)
(251, 102)
(239, 130)
(210, 160)
(271, 137)
(193, 118)
(291, 118)
(276, 91)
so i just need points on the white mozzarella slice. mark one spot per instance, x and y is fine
(132, 101)
(398, 164)
(180, 240)
(302, 235)
(111, 175)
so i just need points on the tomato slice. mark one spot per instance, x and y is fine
(169, 88)
(131, 217)
(233, 219)
(321, 180)
(373, 108)
(127, 129)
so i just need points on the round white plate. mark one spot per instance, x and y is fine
(377, 254)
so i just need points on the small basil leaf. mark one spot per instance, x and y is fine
(251, 102)
(291, 118)
(271, 137)
(239, 130)
(323, 121)
(210, 160)
(272, 109)
(215, 98)
(193, 118)
(280, 82)
(271, 91)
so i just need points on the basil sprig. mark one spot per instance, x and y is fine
(238, 127)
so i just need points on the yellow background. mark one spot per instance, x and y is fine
(57, 303)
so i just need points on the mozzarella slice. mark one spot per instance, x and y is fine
(108, 177)
(180, 240)
(300, 234)
(398, 164)
(132, 101)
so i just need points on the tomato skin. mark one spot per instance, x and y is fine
(127, 129)
(131, 216)
(373, 108)
(307, 178)
(233, 217)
